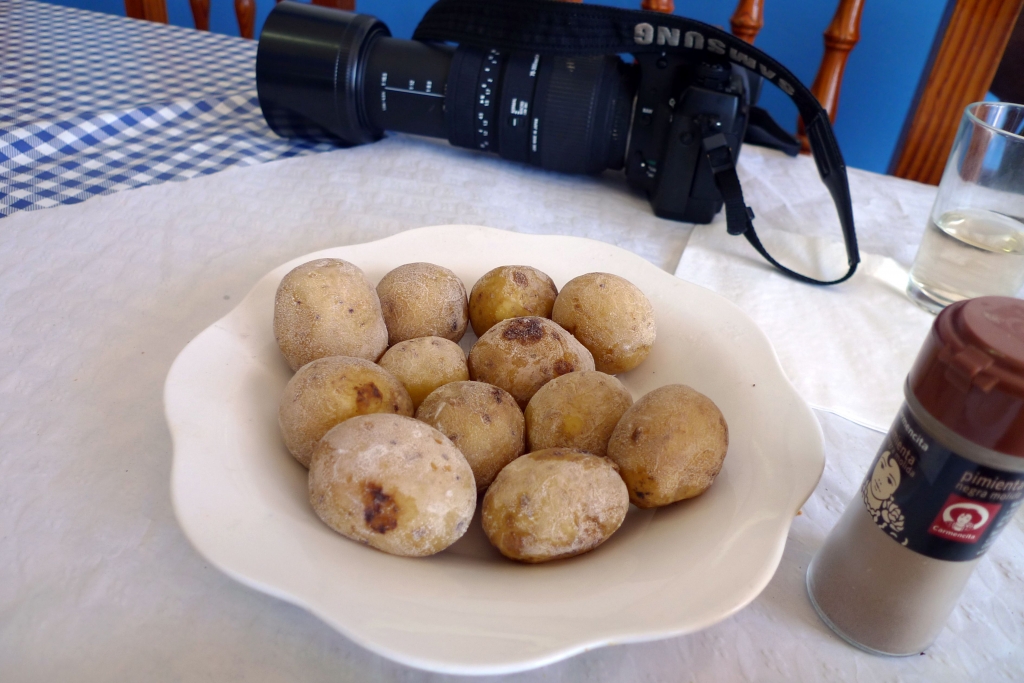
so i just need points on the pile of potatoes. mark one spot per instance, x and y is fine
(402, 432)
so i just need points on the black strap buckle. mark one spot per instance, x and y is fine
(717, 149)
(738, 215)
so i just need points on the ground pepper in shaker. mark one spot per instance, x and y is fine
(948, 477)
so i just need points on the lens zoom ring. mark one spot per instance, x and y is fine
(460, 105)
(566, 127)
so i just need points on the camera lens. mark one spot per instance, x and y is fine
(322, 72)
(568, 114)
(583, 109)
(309, 66)
(404, 86)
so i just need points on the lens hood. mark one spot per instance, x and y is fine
(309, 66)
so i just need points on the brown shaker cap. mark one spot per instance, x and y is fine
(969, 374)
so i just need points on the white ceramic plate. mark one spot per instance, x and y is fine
(242, 499)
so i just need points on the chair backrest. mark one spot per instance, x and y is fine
(156, 10)
(745, 22)
(245, 12)
(840, 38)
(348, 5)
(965, 57)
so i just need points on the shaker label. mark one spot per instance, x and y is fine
(932, 500)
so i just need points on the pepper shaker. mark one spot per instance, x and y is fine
(948, 477)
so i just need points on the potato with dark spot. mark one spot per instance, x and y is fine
(610, 316)
(552, 504)
(423, 300)
(393, 483)
(578, 410)
(424, 364)
(482, 420)
(521, 355)
(510, 292)
(329, 391)
(326, 308)
(669, 446)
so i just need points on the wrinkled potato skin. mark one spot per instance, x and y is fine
(552, 504)
(669, 446)
(423, 300)
(610, 316)
(521, 355)
(483, 421)
(578, 411)
(329, 391)
(326, 308)
(510, 292)
(393, 483)
(424, 364)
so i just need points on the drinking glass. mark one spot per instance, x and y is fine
(974, 242)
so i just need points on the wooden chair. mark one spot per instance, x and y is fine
(156, 10)
(840, 38)
(245, 12)
(349, 5)
(965, 57)
(746, 21)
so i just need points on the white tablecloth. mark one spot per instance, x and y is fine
(98, 583)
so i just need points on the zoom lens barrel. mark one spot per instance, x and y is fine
(568, 114)
(404, 86)
(323, 72)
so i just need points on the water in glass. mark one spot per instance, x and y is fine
(967, 253)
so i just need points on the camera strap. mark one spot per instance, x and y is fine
(563, 28)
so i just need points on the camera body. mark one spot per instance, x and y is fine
(324, 73)
(678, 105)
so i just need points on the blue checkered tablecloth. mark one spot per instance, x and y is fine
(92, 104)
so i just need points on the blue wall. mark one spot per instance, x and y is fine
(881, 76)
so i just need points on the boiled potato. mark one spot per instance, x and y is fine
(669, 445)
(423, 300)
(552, 504)
(329, 391)
(483, 421)
(425, 363)
(393, 483)
(325, 308)
(521, 355)
(578, 410)
(510, 292)
(610, 316)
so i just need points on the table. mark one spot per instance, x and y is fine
(96, 104)
(99, 583)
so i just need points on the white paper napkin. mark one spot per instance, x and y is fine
(847, 348)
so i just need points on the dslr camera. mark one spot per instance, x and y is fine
(328, 74)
